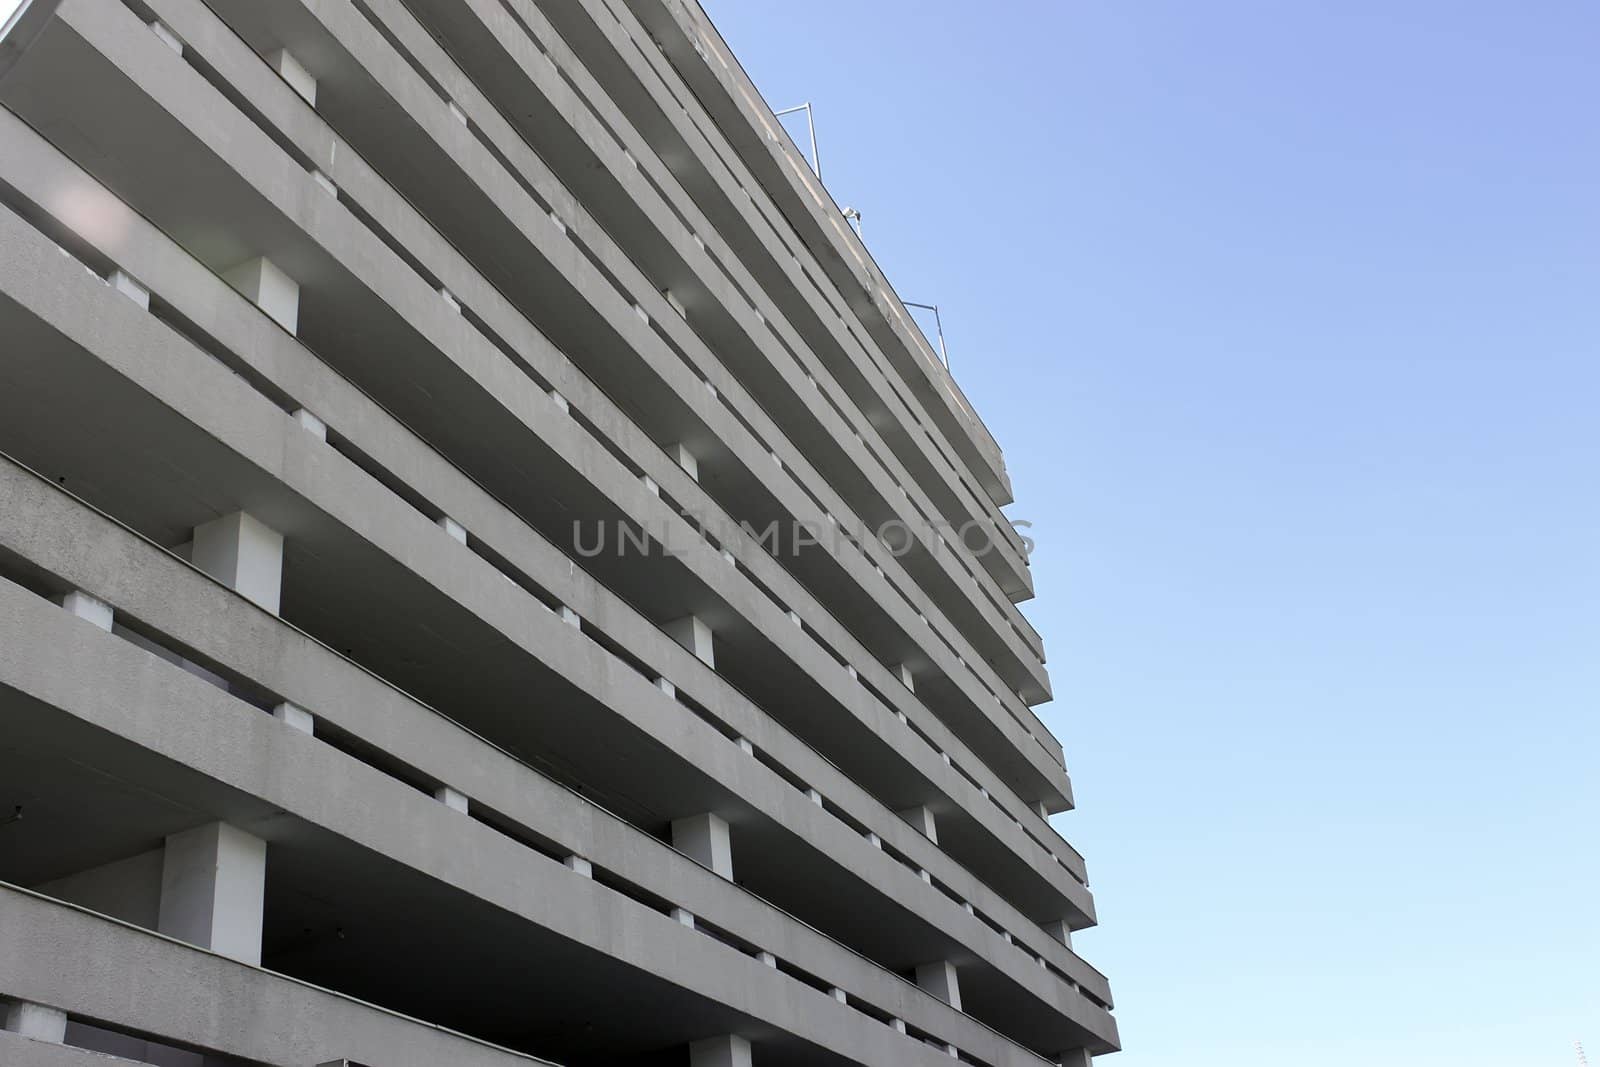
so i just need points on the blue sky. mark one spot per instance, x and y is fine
(1288, 317)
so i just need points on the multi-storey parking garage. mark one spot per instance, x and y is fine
(489, 571)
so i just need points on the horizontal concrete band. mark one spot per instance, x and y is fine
(155, 707)
(273, 655)
(19, 1051)
(99, 969)
(563, 433)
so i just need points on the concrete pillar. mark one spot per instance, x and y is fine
(840, 995)
(36, 1021)
(675, 304)
(295, 716)
(814, 796)
(571, 618)
(87, 607)
(451, 799)
(450, 526)
(874, 840)
(728, 1050)
(746, 747)
(694, 635)
(311, 424)
(898, 1025)
(686, 460)
(650, 485)
(705, 838)
(1078, 1057)
(213, 889)
(767, 959)
(922, 819)
(450, 300)
(667, 688)
(939, 978)
(684, 917)
(794, 617)
(125, 284)
(579, 865)
(561, 402)
(325, 183)
(456, 112)
(1060, 931)
(298, 77)
(261, 282)
(244, 554)
(166, 36)
(1044, 812)
(904, 674)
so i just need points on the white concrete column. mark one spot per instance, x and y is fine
(921, 818)
(1078, 1057)
(684, 917)
(727, 1050)
(686, 460)
(650, 485)
(325, 183)
(450, 798)
(1044, 812)
(244, 554)
(939, 978)
(298, 77)
(579, 865)
(561, 402)
(767, 959)
(814, 796)
(676, 304)
(213, 889)
(124, 283)
(310, 423)
(838, 994)
(904, 674)
(265, 285)
(295, 716)
(1060, 931)
(898, 1025)
(693, 635)
(36, 1021)
(87, 607)
(705, 838)
(571, 618)
(450, 526)
(166, 36)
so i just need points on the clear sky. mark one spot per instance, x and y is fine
(1287, 314)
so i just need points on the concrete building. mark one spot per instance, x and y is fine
(490, 572)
